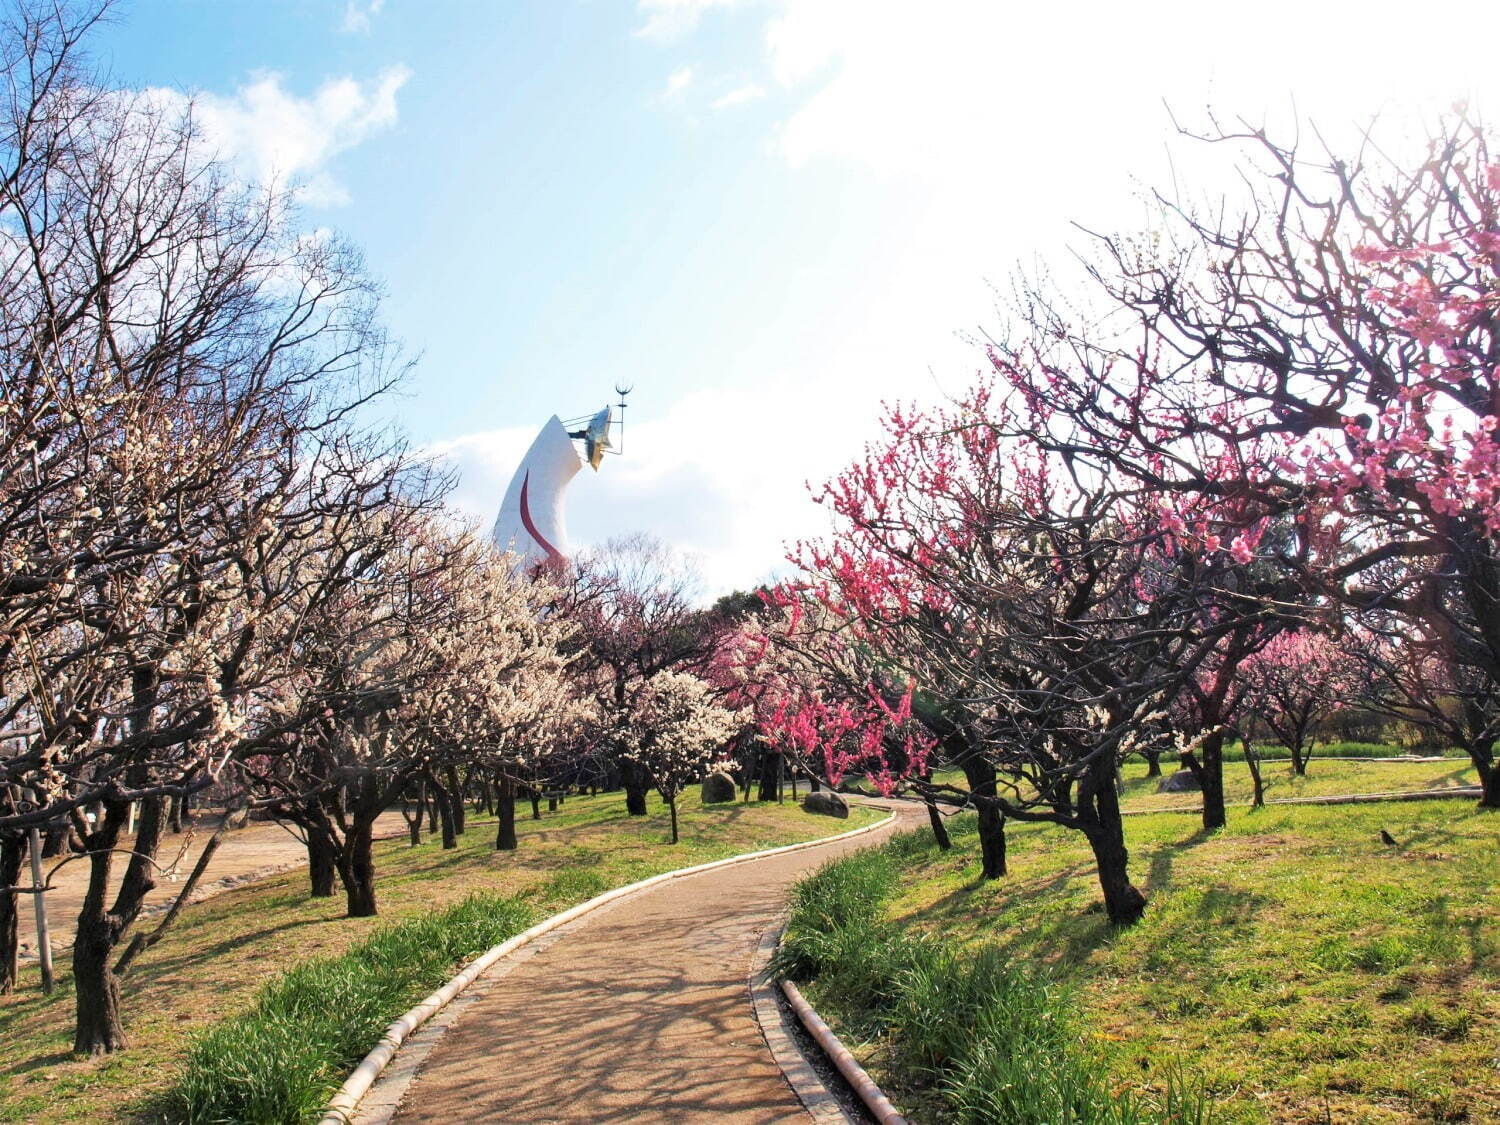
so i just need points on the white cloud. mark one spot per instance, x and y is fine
(672, 19)
(710, 474)
(983, 130)
(358, 16)
(271, 133)
(679, 80)
(740, 96)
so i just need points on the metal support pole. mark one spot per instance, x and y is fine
(43, 937)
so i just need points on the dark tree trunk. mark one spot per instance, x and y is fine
(455, 799)
(1122, 902)
(99, 1029)
(992, 842)
(672, 804)
(812, 781)
(1209, 771)
(534, 795)
(1105, 830)
(1299, 759)
(55, 839)
(432, 813)
(1153, 763)
(939, 829)
(505, 808)
(12, 855)
(637, 785)
(770, 772)
(412, 812)
(322, 861)
(357, 870)
(1252, 760)
(1489, 780)
(445, 802)
(981, 777)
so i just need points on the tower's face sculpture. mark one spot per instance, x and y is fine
(530, 522)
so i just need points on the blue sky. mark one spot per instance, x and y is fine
(768, 215)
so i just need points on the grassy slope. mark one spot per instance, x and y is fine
(1324, 779)
(1309, 972)
(222, 950)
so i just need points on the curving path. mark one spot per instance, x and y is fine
(637, 1012)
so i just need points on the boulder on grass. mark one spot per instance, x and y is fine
(718, 788)
(825, 803)
(1183, 781)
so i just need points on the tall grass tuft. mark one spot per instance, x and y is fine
(279, 1062)
(994, 1042)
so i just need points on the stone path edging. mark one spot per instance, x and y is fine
(822, 1105)
(879, 1105)
(341, 1107)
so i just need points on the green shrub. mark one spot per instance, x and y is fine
(281, 1061)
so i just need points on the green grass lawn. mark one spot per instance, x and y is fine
(223, 951)
(1323, 779)
(1304, 970)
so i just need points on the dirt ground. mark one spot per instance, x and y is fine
(253, 852)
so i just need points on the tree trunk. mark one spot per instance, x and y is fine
(1105, 830)
(981, 777)
(1252, 760)
(322, 862)
(992, 842)
(357, 870)
(99, 1029)
(1299, 759)
(55, 839)
(1489, 781)
(1122, 902)
(455, 799)
(1153, 763)
(412, 813)
(770, 768)
(1209, 771)
(12, 856)
(672, 804)
(233, 817)
(505, 808)
(636, 788)
(939, 829)
(445, 802)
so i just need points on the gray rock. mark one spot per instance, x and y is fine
(825, 803)
(718, 788)
(1182, 781)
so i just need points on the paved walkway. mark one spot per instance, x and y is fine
(640, 1013)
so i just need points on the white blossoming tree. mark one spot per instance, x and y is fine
(676, 733)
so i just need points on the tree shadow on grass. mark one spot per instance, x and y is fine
(151, 969)
(1163, 856)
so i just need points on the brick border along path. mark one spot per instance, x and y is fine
(639, 1014)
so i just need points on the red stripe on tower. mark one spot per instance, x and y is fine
(530, 525)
